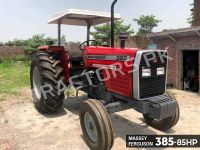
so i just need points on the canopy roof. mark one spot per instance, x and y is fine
(81, 17)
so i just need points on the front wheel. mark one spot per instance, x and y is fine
(166, 123)
(96, 125)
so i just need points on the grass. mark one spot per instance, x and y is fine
(14, 74)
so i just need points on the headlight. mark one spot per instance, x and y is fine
(146, 72)
(160, 71)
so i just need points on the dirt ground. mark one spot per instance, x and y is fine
(23, 128)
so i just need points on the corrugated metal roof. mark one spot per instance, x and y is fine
(177, 32)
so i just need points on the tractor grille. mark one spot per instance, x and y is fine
(155, 84)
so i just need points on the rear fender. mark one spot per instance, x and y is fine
(60, 50)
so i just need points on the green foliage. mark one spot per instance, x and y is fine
(102, 33)
(19, 42)
(15, 42)
(63, 40)
(31, 44)
(9, 43)
(146, 24)
(35, 42)
(1, 44)
(190, 20)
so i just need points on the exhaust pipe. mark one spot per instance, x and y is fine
(113, 23)
(123, 36)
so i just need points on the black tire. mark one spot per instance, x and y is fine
(50, 72)
(166, 123)
(105, 138)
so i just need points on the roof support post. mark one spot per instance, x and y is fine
(59, 34)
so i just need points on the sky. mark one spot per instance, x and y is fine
(21, 19)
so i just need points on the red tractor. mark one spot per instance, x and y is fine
(110, 76)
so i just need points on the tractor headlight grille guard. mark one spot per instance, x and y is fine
(150, 79)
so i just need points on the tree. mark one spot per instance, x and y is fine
(146, 24)
(20, 42)
(63, 40)
(9, 43)
(190, 19)
(102, 33)
(2, 44)
(36, 41)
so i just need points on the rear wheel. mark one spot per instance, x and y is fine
(46, 72)
(166, 123)
(96, 125)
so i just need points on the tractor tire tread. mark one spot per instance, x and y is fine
(51, 72)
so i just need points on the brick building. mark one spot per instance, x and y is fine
(196, 13)
(184, 48)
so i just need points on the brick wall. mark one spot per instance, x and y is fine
(9, 51)
(196, 13)
(162, 44)
(175, 69)
(73, 47)
(133, 42)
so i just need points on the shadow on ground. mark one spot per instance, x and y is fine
(121, 125)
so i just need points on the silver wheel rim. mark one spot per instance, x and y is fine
(37, 83)
(90, 126)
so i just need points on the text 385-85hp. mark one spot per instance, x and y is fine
(163, 141)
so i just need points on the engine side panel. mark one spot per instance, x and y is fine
(120, 84)
(119, 65)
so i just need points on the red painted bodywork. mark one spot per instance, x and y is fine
(60, 50)
(120, 83)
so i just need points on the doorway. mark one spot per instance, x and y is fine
(191, 70)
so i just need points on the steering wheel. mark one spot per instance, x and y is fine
(84, 44)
